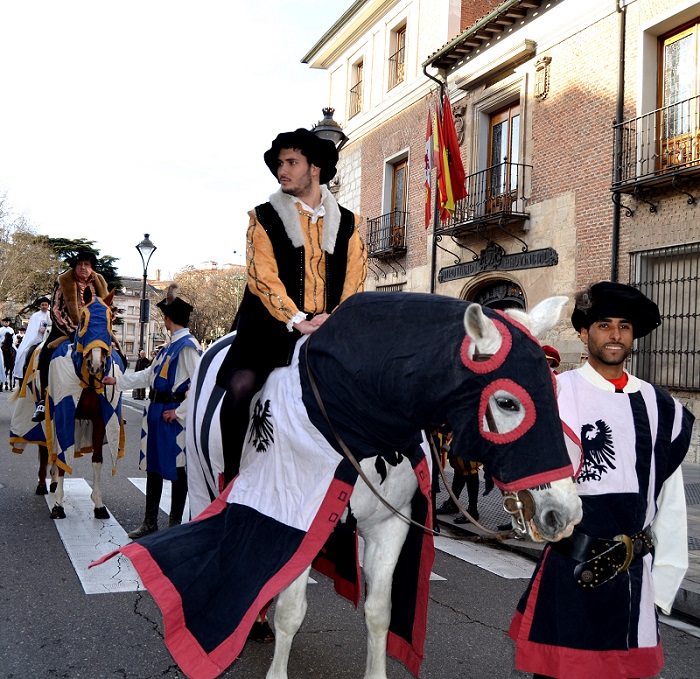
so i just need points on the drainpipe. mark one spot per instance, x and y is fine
(619, 116)
(436, 211)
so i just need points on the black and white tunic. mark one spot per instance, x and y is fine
(632, 444)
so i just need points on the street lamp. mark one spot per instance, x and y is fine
(330, 129)
(146, 250)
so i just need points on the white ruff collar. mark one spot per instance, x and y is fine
(286, 207)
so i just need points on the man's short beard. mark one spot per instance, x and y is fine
(302, 188)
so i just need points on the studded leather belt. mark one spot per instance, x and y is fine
(600, 560)
(166, 396)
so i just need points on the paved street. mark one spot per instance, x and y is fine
(51, 627)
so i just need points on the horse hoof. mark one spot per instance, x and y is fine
(58, 512)
(52, 486)
(41, 489)
(101, 513)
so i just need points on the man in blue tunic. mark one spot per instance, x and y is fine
(589, 610)
(163, 432)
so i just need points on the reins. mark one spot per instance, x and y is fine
(356, 465)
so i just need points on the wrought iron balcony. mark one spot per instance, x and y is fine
(494, 196)
(657, 147)
(386, 234)
(355, 99)
(397, 67)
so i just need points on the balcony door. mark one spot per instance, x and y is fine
(398, 204)
(504, 156)
(678, 98)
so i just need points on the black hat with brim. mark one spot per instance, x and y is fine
(178, 311)
(616, 300)
(319, 152)
(83, 256)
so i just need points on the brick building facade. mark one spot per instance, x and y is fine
(580, 134)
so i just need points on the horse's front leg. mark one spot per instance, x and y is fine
(290, 610)
(383, 543)
(58, 512)
(98, 433)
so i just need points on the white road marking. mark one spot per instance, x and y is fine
(686, 627)
(504, 564)
(86, 539)
(140, 483)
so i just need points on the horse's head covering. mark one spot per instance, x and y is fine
(319, 152)
(83, 256)
(175, 308)
(94, 332)
(410, 350)
(532, 451)
(615, 300)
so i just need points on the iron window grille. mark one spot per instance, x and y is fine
(670, 355)
(386, 234)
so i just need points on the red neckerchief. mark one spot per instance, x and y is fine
(621, 382)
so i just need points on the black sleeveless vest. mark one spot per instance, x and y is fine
(263, 342)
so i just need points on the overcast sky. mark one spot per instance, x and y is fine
(121, 118)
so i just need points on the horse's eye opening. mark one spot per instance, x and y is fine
(507, 403)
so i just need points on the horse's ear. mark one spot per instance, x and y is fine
(108, 300)
(87, 296)
(546, 314)
(482, 330)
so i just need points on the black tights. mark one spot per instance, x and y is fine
(240, 389)
(154, 490)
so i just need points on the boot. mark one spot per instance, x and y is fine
(148, 526)
(154, 489)
(39, 413)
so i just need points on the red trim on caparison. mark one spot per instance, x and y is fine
(496, 361)
(524, 398)
(536, 479)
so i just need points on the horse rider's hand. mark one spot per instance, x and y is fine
(109, 379)
(306, 327)
(319, 320)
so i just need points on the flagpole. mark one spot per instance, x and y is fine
(436, 202)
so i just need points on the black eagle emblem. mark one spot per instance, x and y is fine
(598, 453)
(261, 428)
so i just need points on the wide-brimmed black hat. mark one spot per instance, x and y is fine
(41, 300)
(319, 152)
(174, 307)
(83, 256)
(616, 300)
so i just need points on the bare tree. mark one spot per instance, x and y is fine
(215, 295)
(28, 266)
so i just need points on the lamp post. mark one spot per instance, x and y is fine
(146, 250)
(330, 129)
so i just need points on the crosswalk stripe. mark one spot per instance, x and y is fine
(504, 564)
(86, 539)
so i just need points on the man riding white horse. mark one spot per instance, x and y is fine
(305, 256)
(66, 302)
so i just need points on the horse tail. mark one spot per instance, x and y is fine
(205, 456)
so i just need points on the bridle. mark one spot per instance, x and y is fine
(519, 504)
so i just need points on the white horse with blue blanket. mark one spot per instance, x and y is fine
(381, 369)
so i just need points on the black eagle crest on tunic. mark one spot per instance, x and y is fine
(598, 453)
(261, 427)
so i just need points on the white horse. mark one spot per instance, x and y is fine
(380, 379)
(558, 509)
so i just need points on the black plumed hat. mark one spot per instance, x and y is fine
(319, 152)
(616, 300)
(83, 256)
(174, 307)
